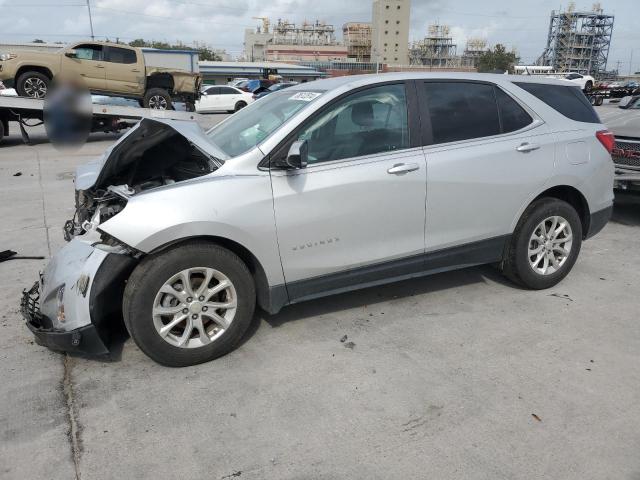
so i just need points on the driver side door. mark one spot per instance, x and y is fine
(87, 64)
(355, 215)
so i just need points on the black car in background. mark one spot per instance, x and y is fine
(273, 88)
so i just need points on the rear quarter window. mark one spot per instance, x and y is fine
(569, 101)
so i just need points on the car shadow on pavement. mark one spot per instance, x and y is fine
(385, 293)
(626, 209)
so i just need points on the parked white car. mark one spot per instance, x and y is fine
(586, 82)
(223, 99)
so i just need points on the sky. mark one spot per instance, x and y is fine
(220, 23)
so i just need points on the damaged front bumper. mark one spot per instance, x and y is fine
(75, 306)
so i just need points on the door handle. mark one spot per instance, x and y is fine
(400, 168)
(527, 147)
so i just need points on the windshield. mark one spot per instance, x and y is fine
(251, 125)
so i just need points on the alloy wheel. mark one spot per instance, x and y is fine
(550, 245)
(35, 87)
(194, 307)
(158, 102)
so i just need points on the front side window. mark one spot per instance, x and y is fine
(89, 52)
(227, 91)
(253, 124)
(364, 123)
(461, 110)
(121, 55)
(212, 91)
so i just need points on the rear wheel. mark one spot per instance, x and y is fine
(189, 304)
(588, 86)
(158, 99)
(545, 244)
(240, 105)
(33, 84)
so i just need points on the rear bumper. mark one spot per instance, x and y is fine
(598, 221)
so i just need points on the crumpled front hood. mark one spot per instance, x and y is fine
(97, 173)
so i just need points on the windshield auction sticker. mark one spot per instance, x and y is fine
(305, 96)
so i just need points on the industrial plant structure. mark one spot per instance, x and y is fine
(578, 41)
(357, 39)
(435, 50)
(286, 41)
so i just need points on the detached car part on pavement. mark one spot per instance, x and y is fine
(319, 189)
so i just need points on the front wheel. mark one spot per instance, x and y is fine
(158, 99)
(189, 304)
(588, 86)
(33, 84)
(545, 244)
(240, 105)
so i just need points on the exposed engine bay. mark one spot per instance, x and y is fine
(152, 156)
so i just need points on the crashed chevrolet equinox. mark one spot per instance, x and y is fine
(318, 189)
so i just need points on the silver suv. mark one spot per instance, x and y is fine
(318, 189)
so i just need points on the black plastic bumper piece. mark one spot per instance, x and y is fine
(8, 83)
(84, 340)
(598, 221)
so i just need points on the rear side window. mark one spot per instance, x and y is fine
(121, 55)
(512, 115)
(569, 101)
(461, 110)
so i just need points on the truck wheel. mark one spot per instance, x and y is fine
(189, 304)
(158, 99)
(239, 106)
(545, 244)
(599, 101)
(33, 84)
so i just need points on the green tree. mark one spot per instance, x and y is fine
(497, 59)
(204, 53)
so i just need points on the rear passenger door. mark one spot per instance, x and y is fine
(209, 102)
(228, 98)
(125, 74)
(486, 153)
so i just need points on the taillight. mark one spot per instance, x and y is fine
(607, 139)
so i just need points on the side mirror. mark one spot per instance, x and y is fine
(70, 53)
(204, 94)
(298, 156)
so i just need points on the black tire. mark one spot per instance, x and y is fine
(240, 105)
(25, 82)
(515, 264)
(1, 130)
(148, 278)
(157, 98)
(588, 86)
(599, 101)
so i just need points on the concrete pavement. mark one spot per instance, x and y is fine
(458, 375)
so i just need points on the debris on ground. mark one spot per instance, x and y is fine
(234, 474)
(11, 255)
(349, 345)
(343, 339)
(536, 417)
(17, 174)
(564, 296)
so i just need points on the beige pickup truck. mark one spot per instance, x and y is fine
(105, 68)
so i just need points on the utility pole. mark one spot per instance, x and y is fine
(90, 20)
(631, 63)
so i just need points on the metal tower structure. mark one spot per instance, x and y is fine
(435, 50)
(578, 41)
